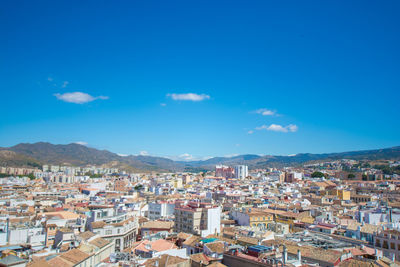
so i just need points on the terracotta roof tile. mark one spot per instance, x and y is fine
(99, 242)
(75, 256)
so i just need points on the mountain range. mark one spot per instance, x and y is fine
(36, 154)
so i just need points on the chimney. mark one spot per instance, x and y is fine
(299, 256)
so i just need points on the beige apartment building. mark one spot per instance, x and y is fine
(198, 218)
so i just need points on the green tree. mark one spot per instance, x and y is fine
(138, 187)
(31, 176)
(317, 174)
(351, 176)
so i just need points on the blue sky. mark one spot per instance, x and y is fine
(265, 77)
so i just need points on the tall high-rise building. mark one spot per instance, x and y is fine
(241, 171)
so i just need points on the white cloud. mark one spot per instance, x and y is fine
(78, 97)
(250, 132)
(81, 143)
(50, 79)
(231, 155)
(266, 112)
(163, 104)
(65, 83)
(186, 156)
(278, 128)
(263, 127)
(144, 153)
(122, 155)
(189, 97)
(292, 128)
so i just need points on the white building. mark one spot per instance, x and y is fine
(160, 210)
(122, 234)
(241, 171)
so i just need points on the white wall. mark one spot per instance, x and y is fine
(3, 239)
(18, 236)
(242, 218)
(173, 252)
(213, 222)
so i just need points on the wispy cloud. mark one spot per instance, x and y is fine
(278, 128)
(78, 97)
(144, 153)
(188, 157)
(250, 132)
(81, 143)
(163, 104)
(64, 84)
(292, 127)
(266, 112)
(231, 155)
(56, 83)
(189, 97)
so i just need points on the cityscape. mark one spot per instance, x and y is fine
(342, 212)
(200, 133)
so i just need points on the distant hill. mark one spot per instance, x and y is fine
(11, 159)
(26, 154)
(71, 154)
(80, 155)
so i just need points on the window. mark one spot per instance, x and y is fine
(385, 244)
(108, 232)
(392, 246)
